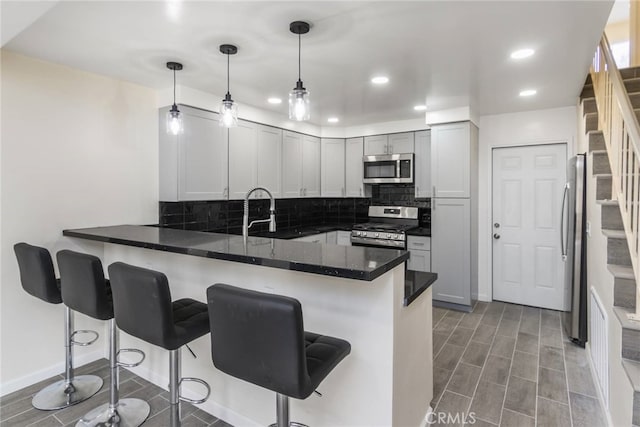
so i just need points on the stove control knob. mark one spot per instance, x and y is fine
(389, 236)
(377, 235)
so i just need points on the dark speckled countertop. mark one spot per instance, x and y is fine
(352, 262)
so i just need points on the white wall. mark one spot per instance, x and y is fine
(77, 150)
(530, 127)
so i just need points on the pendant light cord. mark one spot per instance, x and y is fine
(174, 86)
(299, 44)
(227, 73)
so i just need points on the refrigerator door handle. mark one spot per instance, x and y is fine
(563, 238)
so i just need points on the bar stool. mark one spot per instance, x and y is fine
(260, 338)
(85, 290)
(143, 309)
(38, 278)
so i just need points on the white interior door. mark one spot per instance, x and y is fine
(528, 185)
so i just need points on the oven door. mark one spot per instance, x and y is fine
(377, 243)
(389, 169)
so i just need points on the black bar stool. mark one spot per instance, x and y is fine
(85, 290)
(143, 309)
(38, 278)
(260, 338)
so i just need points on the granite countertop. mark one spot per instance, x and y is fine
(415, 283)
(352, 262)
(304, 231)
(419, 231)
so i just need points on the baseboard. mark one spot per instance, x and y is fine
(607, 414)
(43, 374)
(484, 298)
(213, 408)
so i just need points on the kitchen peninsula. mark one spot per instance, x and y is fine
(355, 293)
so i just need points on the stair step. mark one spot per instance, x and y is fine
(603, 187)
(611, 218)
(600, 162)
(607, 202)
(621, 271)
(618, 251)
(589, 106)
(596, 140)
(632, 369)
(630, 334)
(587, 92)
(614, 234)
(624, 293)
(590, 122)
(632, 85)
(635, 99)
(628, 73)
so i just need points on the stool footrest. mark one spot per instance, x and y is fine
(199, 381)
(291, 424)
(83, 343)
(130, 350)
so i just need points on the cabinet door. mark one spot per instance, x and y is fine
(311, 166)
(419, 261)
(203, 158)
(423, 164)
(376, 144)
(401, 143)
(450, 159)
(332, 164)
(344, 238)
(270, 159)
(451, 250)
(291, 164)
(243, 158)
(353, 167)
(332, 238)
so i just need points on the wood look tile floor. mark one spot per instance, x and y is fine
(16, 409)
(510, 365)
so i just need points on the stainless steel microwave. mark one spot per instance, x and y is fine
(388, 168)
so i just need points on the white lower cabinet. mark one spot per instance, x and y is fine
(451, 255)
(344, 238)
(419, 248)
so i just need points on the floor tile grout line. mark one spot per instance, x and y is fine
(566, 377)
(535, 415)
(484, 365)
(454, 369)
(506, 388)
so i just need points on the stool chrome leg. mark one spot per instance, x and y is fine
(175, 375)
(71, 389)
(118, 412)
(282, 413)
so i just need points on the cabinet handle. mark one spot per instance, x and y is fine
(361, 191)
(434, 191)
(417, 244)
(418, 191)
(390, 149)
(301, 192)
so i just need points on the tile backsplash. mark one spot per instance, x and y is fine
(397, 195)
(225, 216)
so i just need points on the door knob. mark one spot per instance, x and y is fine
(496, 236)
(496, 225)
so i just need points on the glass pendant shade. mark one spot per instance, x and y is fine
(228, 112)
(175, 125)
(299, 104)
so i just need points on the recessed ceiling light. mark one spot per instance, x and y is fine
(528, 92)
(274, 100)
(522, 53)
(333, 120)
(380, 80)
(420, 107)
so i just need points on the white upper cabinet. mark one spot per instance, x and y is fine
(423, 164)
(310, 166)
(376, 144)
(400, 143)
(451, 160)
(291, 164)
(300, 165)
(353, 167)
(389, 144)
(243, 158)
(270, 160)
(193, 166)
(333, 167)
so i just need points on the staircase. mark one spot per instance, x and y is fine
(619, 258)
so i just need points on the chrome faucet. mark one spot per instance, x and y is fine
(245, 217)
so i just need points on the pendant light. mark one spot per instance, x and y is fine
(174, 116)
(299, 96)
(228, 108)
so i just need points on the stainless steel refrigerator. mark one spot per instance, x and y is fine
(574, 250)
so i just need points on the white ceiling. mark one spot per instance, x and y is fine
(448, 54)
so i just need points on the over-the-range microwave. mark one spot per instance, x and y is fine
(388, 168)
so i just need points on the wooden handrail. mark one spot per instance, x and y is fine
(621, 130)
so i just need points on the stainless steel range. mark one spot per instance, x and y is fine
(386, 227)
